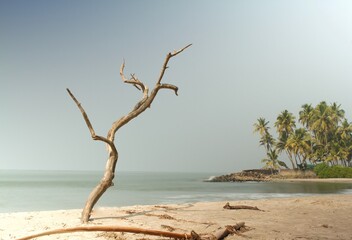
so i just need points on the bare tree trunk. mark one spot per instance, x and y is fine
(99, 190)
(140, 107)
(291, 160)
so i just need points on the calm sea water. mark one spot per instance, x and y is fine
(54, 190)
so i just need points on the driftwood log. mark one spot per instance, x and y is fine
(111, 229)
(237, 207)
(221, 234)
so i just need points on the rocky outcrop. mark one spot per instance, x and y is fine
(253, 175)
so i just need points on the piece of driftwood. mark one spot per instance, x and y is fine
(114, 229)
(219, 235)
(223, 233)
(237, 207)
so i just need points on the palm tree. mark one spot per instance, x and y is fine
(338, 153)
(344, 138)
(322, 122)
(261, 126)
(266, 138)
(337, 114)
(299, 145)
(305, 115)
(345, 130)
(285, 123)
(306, 119)
(326, 136)
(318, 154)
(267, 141)
(271, 161)
(282, 164)
(280, 146)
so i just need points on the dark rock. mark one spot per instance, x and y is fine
(253, 175)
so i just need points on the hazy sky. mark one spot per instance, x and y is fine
(249, 59)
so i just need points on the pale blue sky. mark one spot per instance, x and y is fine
(249, 59)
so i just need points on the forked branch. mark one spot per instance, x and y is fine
(89, 125)
(168, 56)
(133, 80)
(147, 98)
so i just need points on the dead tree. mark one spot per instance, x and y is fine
(141, 106)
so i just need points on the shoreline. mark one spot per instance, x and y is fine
(322, 180)
(263, 175)
(317, 217)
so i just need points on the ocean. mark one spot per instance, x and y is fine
(56, 190)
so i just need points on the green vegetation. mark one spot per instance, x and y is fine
(324, 136)
(322, 170)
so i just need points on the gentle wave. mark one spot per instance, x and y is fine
(231, 196)
(33, 190)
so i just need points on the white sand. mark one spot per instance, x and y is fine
(317, 217)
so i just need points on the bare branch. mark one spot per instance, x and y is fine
(133, 80)
(168, 56)
(169, 86)
(89, 125)
(146, 101)
(141, 102)
(180, 50)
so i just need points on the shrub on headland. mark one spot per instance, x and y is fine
(325, 171)
(292, 174)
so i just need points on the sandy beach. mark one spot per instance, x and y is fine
(315, 217)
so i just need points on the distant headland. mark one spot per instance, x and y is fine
(263, 175)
